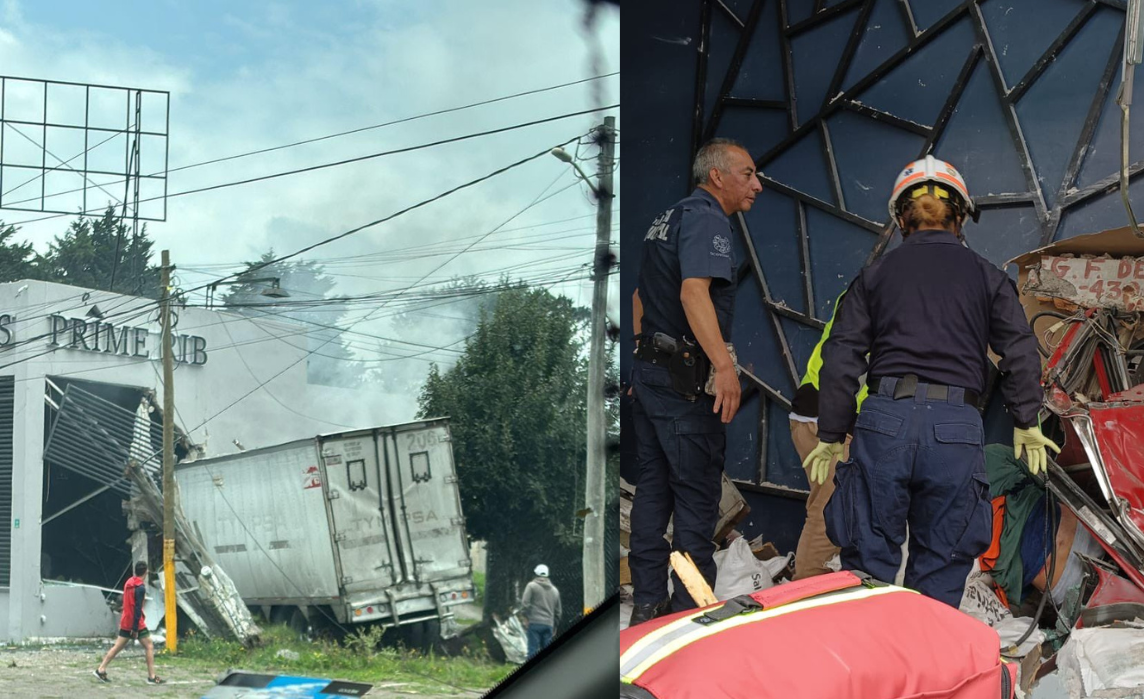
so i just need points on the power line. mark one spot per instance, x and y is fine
(323, 138)
(358, 159)
(400, 121)
(392, 216)
(357, 229)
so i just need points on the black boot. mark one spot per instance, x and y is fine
(647, 612)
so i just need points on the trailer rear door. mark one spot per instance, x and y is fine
(420, 462)
(359, 499)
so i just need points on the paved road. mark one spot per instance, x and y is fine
(65, 673)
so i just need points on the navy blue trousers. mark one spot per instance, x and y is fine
(539, 636)
(920, 462)
(680, 446)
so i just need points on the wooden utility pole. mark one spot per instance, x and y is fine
(168, 459)
(595, 494)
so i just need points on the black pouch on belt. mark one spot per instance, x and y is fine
(688, 368)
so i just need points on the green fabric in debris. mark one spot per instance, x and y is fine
(1008, 477)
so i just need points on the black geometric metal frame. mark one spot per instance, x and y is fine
(744, 20)
(129, 175)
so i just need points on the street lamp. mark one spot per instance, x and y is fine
(566, 157)
(274, 291)
(595, 494)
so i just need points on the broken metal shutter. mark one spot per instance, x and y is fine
(7, 399)
(95, 438)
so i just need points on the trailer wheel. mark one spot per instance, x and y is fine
(300, 625)
(294, 618)
(422, 635)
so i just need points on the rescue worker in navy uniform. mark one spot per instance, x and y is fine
(926, 313)
(682, 315)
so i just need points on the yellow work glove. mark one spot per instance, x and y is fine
(818, 460)
(1034, 443)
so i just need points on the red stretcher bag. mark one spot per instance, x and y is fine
(842, 636)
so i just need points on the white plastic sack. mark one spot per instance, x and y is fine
(1105, 662)
(740, 573)
(512, 638)
(981, 602)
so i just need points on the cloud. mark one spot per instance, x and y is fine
(255, 75)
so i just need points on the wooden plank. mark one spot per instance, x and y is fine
(692, 579)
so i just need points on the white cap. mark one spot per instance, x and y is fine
(541, 570)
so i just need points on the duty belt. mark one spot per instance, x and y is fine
(647, 352)
(907, 387)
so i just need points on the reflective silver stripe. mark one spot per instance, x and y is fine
(665, 641)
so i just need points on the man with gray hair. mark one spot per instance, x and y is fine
(684, 381)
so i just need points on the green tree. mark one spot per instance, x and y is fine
(516, 399)
(86, 256)
(332, 362)
(17, 260)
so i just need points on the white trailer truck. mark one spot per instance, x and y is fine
(363, 526)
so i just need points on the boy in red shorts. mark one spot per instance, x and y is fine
(132, 625)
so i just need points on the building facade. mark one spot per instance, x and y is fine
(240, 383)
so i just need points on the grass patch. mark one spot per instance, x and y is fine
(479, 583)
(357, 657)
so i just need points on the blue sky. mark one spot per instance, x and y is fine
(246, 75)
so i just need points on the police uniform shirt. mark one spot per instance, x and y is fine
(692, 239)
(932, 307)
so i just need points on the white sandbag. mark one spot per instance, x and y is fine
(1106, 662)
(740, 573)
(981, 602)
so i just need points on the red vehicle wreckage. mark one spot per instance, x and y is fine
(1084, 298)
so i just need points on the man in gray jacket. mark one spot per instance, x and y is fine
(541, 607)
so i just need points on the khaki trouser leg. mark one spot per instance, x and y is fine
(814, 548)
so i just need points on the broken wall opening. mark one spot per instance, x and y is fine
(91, 430)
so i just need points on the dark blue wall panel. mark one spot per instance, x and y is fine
(1054, 109)
(870, 153)
(803, 167)
(917, 88)
(758, 130)
(977, 140)
(773, 224)
(929, 12)
(884, 35)
(1003, 234)
(816, 53)
(761, 76)
(1103, 156)
(1028, 155)
(837, 251)
(1022, 30)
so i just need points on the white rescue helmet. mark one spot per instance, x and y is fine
(935, 177)
(541, 570)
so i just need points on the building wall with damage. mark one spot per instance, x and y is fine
(833, 99)
(239, 383)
